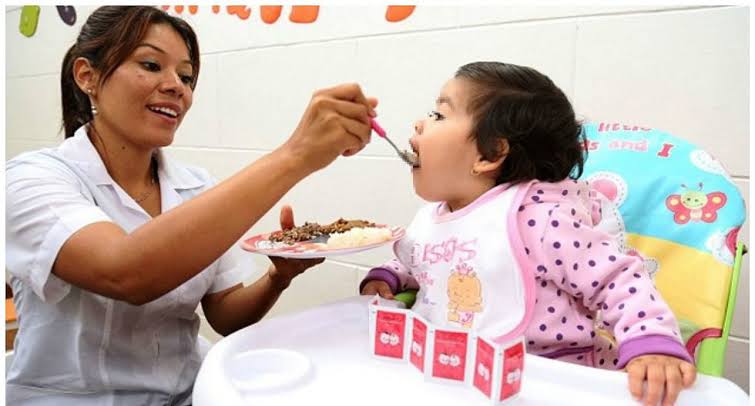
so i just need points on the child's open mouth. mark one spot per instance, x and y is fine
(411, 156)
(414, 158)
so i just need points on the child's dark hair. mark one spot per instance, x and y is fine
(106, 39)
(524, 107)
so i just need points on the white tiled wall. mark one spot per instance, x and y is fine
(682, 69)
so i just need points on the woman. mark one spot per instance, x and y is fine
(112, 245)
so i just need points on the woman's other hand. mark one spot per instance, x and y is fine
(336, 122)
(284, 270)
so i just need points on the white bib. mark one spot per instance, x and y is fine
(468, 275)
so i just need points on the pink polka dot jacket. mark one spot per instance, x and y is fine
(584, 281)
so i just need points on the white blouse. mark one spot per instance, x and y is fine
(75, 347)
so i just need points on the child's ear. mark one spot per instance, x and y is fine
(484, 166)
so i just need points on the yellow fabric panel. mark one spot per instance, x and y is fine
(692, 282)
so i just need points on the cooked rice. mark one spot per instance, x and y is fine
(357, 237)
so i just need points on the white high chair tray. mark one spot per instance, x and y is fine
(327, 361)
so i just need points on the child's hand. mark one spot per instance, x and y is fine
(379, 287)
(660, 371)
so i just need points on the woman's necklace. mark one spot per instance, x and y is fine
(148, 193)
(152, 169)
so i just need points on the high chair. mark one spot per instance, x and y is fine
(680, 212)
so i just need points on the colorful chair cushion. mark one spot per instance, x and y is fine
(681, 212)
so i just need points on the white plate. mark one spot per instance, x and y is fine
(260, 244)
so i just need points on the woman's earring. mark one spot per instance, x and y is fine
(91, 102)
(474, 172)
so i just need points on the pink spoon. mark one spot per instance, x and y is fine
(408, 157)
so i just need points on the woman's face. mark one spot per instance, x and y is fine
(446, 151)
(147, 96)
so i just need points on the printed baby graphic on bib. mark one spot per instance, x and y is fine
(464, 295)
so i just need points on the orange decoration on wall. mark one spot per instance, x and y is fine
(270, 14)
(298, 15)
(243, 12)
(192, 9)
(395, 14)
(304, 14)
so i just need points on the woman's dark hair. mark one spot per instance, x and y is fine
(525, 108)
(107, 38)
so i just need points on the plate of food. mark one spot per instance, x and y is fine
(313, 240)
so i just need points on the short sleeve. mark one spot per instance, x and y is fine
(44, 206)
(229, 272)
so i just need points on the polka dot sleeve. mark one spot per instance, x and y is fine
(558, 221)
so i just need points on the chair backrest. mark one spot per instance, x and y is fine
(681, 213)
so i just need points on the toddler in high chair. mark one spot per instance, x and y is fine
(512, 240)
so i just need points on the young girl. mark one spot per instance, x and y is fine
(513, 242)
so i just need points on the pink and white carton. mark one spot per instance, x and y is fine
(418, 344)
(498, 368)
(389, 331)
(448, 353)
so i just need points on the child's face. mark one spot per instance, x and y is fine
(446, 152)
